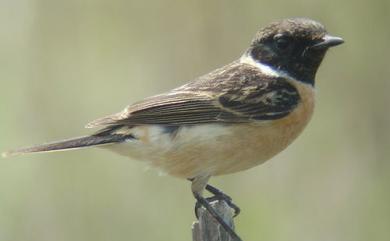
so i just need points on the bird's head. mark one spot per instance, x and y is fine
(295, 46)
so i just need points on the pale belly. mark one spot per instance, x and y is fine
(215, 149)
(210, 149)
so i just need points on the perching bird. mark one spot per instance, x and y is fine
(231, 119)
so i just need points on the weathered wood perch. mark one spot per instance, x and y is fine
(207, 228)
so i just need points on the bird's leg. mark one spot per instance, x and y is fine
(218, 195)
(198, 185)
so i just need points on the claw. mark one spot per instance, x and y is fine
(219, 195)
(204, 202)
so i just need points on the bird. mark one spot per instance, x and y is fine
(229, 120)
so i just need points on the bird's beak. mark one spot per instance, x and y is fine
(328, 41)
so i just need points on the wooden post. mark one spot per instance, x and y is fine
(207, 228)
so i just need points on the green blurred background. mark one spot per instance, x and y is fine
(64, 63)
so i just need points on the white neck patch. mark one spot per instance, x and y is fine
(266, 69)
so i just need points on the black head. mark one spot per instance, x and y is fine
(295, 46)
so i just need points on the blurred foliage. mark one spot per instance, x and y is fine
(64, 63)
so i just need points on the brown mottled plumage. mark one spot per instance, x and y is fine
(237, 93)
(229, 120)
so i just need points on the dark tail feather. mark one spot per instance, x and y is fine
(71, 144)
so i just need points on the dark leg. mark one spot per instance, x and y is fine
(215, 215)
(197, 186)
(219, 195)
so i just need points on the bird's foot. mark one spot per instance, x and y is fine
(205, 202)
(218, 195)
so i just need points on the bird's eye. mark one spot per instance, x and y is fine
(282, 42)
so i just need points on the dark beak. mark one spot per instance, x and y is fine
(327, 42)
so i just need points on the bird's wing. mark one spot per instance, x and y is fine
(237, 95)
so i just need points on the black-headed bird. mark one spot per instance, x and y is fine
(231, 119)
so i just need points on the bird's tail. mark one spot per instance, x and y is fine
(71, 144)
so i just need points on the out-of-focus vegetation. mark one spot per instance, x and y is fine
(64, 63)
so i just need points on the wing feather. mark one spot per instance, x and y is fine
(237, 95)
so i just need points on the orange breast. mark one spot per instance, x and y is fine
(244, 146)
(216, 149)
